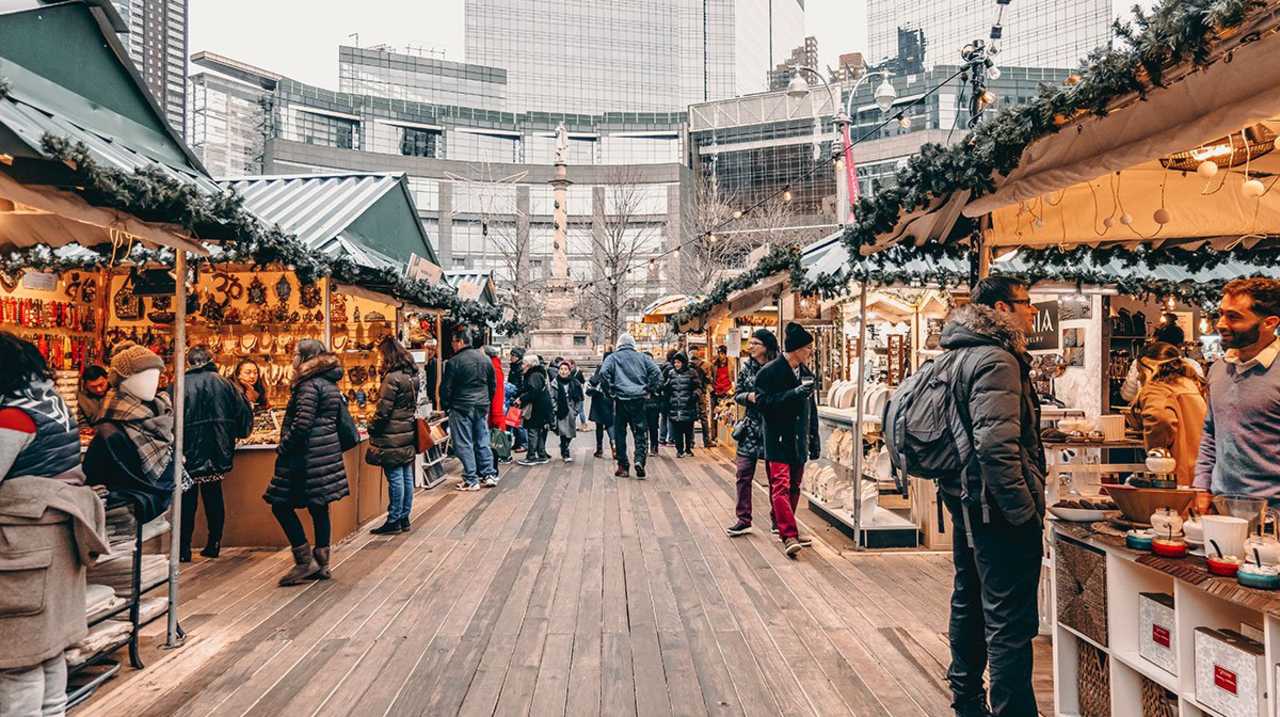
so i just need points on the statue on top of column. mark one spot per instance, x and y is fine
(562, 143)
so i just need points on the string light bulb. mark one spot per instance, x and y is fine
(1126, 219)
(786, 195)
(1253, 188)
(904, 122)
(987, 98)
(737, 214)
(1161, 216)
(1207, 169)
(1108, 222)
(711, 238)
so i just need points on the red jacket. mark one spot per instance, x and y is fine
(497, 410)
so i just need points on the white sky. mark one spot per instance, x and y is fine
(300, 38)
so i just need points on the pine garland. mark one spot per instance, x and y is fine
(779, 259)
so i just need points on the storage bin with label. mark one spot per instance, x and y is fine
(1156, 637)
(1230, 673)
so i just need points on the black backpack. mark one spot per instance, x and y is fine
(923, 427)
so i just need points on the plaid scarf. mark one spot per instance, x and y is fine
(148, 425)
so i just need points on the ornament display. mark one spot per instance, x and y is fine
(128, 307)
(309, 296)
(284, 289)
(257, 292)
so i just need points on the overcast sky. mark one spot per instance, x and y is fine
(300, 38)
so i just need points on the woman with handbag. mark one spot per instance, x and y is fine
(309, 470)
(748, 432)
(567, 395)
(535, 406)
(393, 433)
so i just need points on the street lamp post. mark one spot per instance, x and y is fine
(846, 176)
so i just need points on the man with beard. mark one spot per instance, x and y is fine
(1240, 448)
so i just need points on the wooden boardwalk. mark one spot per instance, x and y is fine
(562, 591)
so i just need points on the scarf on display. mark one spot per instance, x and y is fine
(148, 425)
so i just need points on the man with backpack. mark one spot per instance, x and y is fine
(784, 395)
(971, 420)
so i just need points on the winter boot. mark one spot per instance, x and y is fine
(211, 549)
(321, 556)
(304, 566)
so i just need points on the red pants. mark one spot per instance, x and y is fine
(784, 492)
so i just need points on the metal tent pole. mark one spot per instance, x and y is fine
(174, 636)
(859, 446)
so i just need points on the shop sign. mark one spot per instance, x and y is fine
(39, 280)
(1044, 332)
(421, 268)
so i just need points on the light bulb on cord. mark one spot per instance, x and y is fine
(786, 195)
(711, 238)
(987, 98)
(1161, 216)
(1207, 169)
(904, 122)
(1108, 222)
(1253, 188)
(1126, 219)
(737, 214)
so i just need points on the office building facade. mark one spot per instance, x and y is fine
(157, 44)
(479, 177)
(1035, 33)
(658, 55)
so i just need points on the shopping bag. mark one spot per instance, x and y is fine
(423, 438)
(500, 442)
(515, 417)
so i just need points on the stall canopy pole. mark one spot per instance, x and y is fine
(859, 447)
(174, 635)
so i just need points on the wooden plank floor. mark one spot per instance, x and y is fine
(562, 591)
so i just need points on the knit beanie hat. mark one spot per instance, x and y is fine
(796, 337)
(130, 359)
(766, 337)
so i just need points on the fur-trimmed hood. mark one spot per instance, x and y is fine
(325, 365)
(978, 325)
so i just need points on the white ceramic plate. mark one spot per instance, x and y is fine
(1081, 515)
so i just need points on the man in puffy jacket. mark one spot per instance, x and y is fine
(466, 392)
(631, 378)
(997, 503)
(215, 413)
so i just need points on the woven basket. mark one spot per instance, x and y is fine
(1081, 574)
(1093, 682)
(1157, 701)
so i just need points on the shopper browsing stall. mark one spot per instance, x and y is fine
(393, 434)
(1240, 449)
(45, 510)
(499, 439)
(248, 378)
(214, 415)
(749, 431)
(466, 392)
(784, 394)
(684, 393)
(309, 471)
(998, 499)
(1171, 406)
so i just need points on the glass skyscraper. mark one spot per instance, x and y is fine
(1035, 33)
(157, 44)
(626, 55)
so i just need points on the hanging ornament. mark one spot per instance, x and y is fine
(1161, 216)
(1253, 189)
(1207, 169)
(1126, 219)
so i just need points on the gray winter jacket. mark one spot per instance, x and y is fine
(1003, 411)
(629, 374)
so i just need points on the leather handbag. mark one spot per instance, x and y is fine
(423, 438)
(348, 436)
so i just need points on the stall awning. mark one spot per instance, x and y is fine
(367, 216)
(474, 285)
(1077, 185)
(662, 308)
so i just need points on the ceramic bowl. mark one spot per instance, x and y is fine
(1081, 515)
(1169, 547)
(1265, 577)
(1139, 539)
(1137, 504)
(1226, 566)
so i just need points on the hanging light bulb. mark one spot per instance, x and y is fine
(993, 73)
(711, 238)
(1108, 222)
(737, 214)
(1207, 169)
(1126, 219)
(1161, 216)
(987, 98)
(786, 195)
(1253, 188)
(1205, 326)
(904, 122)
(1170, 304)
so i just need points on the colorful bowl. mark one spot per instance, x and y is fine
(1226, 566)
(1264, 577)
(1169, 547)
(1139, 539)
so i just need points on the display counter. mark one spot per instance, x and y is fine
(1135, 633)
(249, 520)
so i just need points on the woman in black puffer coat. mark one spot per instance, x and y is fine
(749, 431)
(393, 434)
(309, 469)
(537, 395)
(684, 395)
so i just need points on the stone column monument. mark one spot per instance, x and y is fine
(558, 332)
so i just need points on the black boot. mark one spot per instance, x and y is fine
(210, 549)
(387, 528)
(404, 524)
(184, 554)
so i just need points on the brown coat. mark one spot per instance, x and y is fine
(49, 531)
(1173, 418)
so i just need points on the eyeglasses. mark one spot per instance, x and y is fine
(1018, 301)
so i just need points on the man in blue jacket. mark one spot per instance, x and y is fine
(631, 378)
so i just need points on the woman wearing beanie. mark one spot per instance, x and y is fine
(393, 433)
(567, 397)
(309, 471)
(684, 396)
(52, 527)
(748, 432)
(784, 394)
(132, 448)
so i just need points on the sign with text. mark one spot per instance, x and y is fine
(420, 268)
(1044, 332)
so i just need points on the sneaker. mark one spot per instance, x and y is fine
(621, 472)
(774, 530)
(544, 460)
(521, 449)
(640, 472)
(404, 525)
(490, 482)
(738, 528)
(527, 462)
(468, 487)
(598, 454)
(568, 459)
(804, 541)
(791, 546)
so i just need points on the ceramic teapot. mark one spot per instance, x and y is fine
(1160, 462)
(1166, 521)
(1267, 546)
